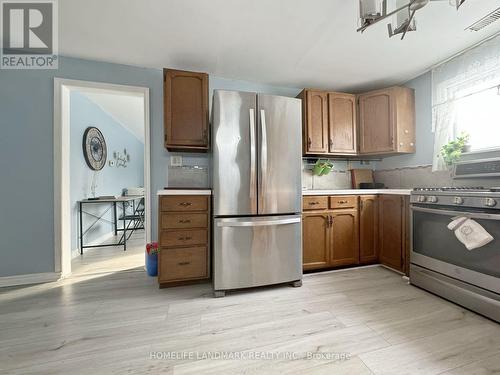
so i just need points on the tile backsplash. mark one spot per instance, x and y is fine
(423, 176)
(188, 177)
(338, 178)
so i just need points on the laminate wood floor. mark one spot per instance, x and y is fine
(112, 258)
(362, 321)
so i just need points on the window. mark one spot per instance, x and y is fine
(465, 97)
(478, 114)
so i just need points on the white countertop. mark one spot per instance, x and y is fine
(185, 192)
(358, 192)
(304, 192)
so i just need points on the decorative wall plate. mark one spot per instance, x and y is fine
(94, 148)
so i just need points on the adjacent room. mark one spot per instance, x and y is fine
(107, 136)
(250, 187)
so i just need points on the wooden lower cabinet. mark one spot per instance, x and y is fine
(184, 239)
(182, 264)
(330, 238)
(392, 236)
(344, 238)
(315, 241)
(375, 230)
(368, 229)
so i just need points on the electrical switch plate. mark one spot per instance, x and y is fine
(176, 161)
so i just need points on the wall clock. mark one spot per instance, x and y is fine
(94, 148)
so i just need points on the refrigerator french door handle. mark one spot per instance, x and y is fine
(263, 159)
(258, 223)
(253, 172)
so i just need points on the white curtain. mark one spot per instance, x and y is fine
(472, 71)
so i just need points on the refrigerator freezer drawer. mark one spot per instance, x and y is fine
(256, 251)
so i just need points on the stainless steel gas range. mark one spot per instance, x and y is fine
(440, 263)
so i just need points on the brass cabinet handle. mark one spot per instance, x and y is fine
(331, 142)
(183, 263)
(184, 238)
(309, 141)
(313, 203)
(184, 221)
(342, 202)
(185, 204)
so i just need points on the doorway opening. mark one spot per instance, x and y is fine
(101, 177)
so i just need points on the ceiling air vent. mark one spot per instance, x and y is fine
(485, 21)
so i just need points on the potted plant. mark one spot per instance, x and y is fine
(152, 258)
(322, 168)
(452, 151)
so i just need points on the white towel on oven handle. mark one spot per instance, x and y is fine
(470, 232)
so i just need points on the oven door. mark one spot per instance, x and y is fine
(435, 247)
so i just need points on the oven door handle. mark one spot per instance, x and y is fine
(470, 215)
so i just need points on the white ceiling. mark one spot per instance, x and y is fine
(128, 110)
(293, 43)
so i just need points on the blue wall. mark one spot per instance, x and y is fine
(424, 134)
(26, 155)
(110, 180)
(26, 152)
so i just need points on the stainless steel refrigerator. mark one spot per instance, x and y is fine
(257, 190)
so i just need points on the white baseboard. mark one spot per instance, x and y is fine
(76, 252)
(393, 270)
(32, 278)
(320, 272)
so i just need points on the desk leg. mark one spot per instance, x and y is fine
(124, 229)
(116, 219)
(81, 228)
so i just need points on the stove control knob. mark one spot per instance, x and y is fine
(490, 202)
(433, 199)
(422, 198)
(458, 200)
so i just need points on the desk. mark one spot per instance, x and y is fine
(113, 203)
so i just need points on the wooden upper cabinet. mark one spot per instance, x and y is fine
(344, 238)
(329, 123)
(186, 111)
(392, 231)
(368, 228)
(387, 121)
(315, 105)
(342, 124)
(315, 241)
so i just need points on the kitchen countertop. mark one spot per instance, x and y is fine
(358, 192)
(184, 192)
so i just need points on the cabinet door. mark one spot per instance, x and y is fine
(315, 241)
(186, 110)
(344, 238)
(316, 141)
(405, 123)
(342, 123)
(376, 122)
(391, 231)
(368, 226)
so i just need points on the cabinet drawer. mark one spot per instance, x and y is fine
(183, 264)
(180, 221)
(314, 203)
(347, 201)
(184, 203)
(183, 237)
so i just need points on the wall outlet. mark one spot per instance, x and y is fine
(176, 161)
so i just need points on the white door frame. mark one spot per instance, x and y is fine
(62, 204)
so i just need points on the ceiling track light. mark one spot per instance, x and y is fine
(372, 12)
